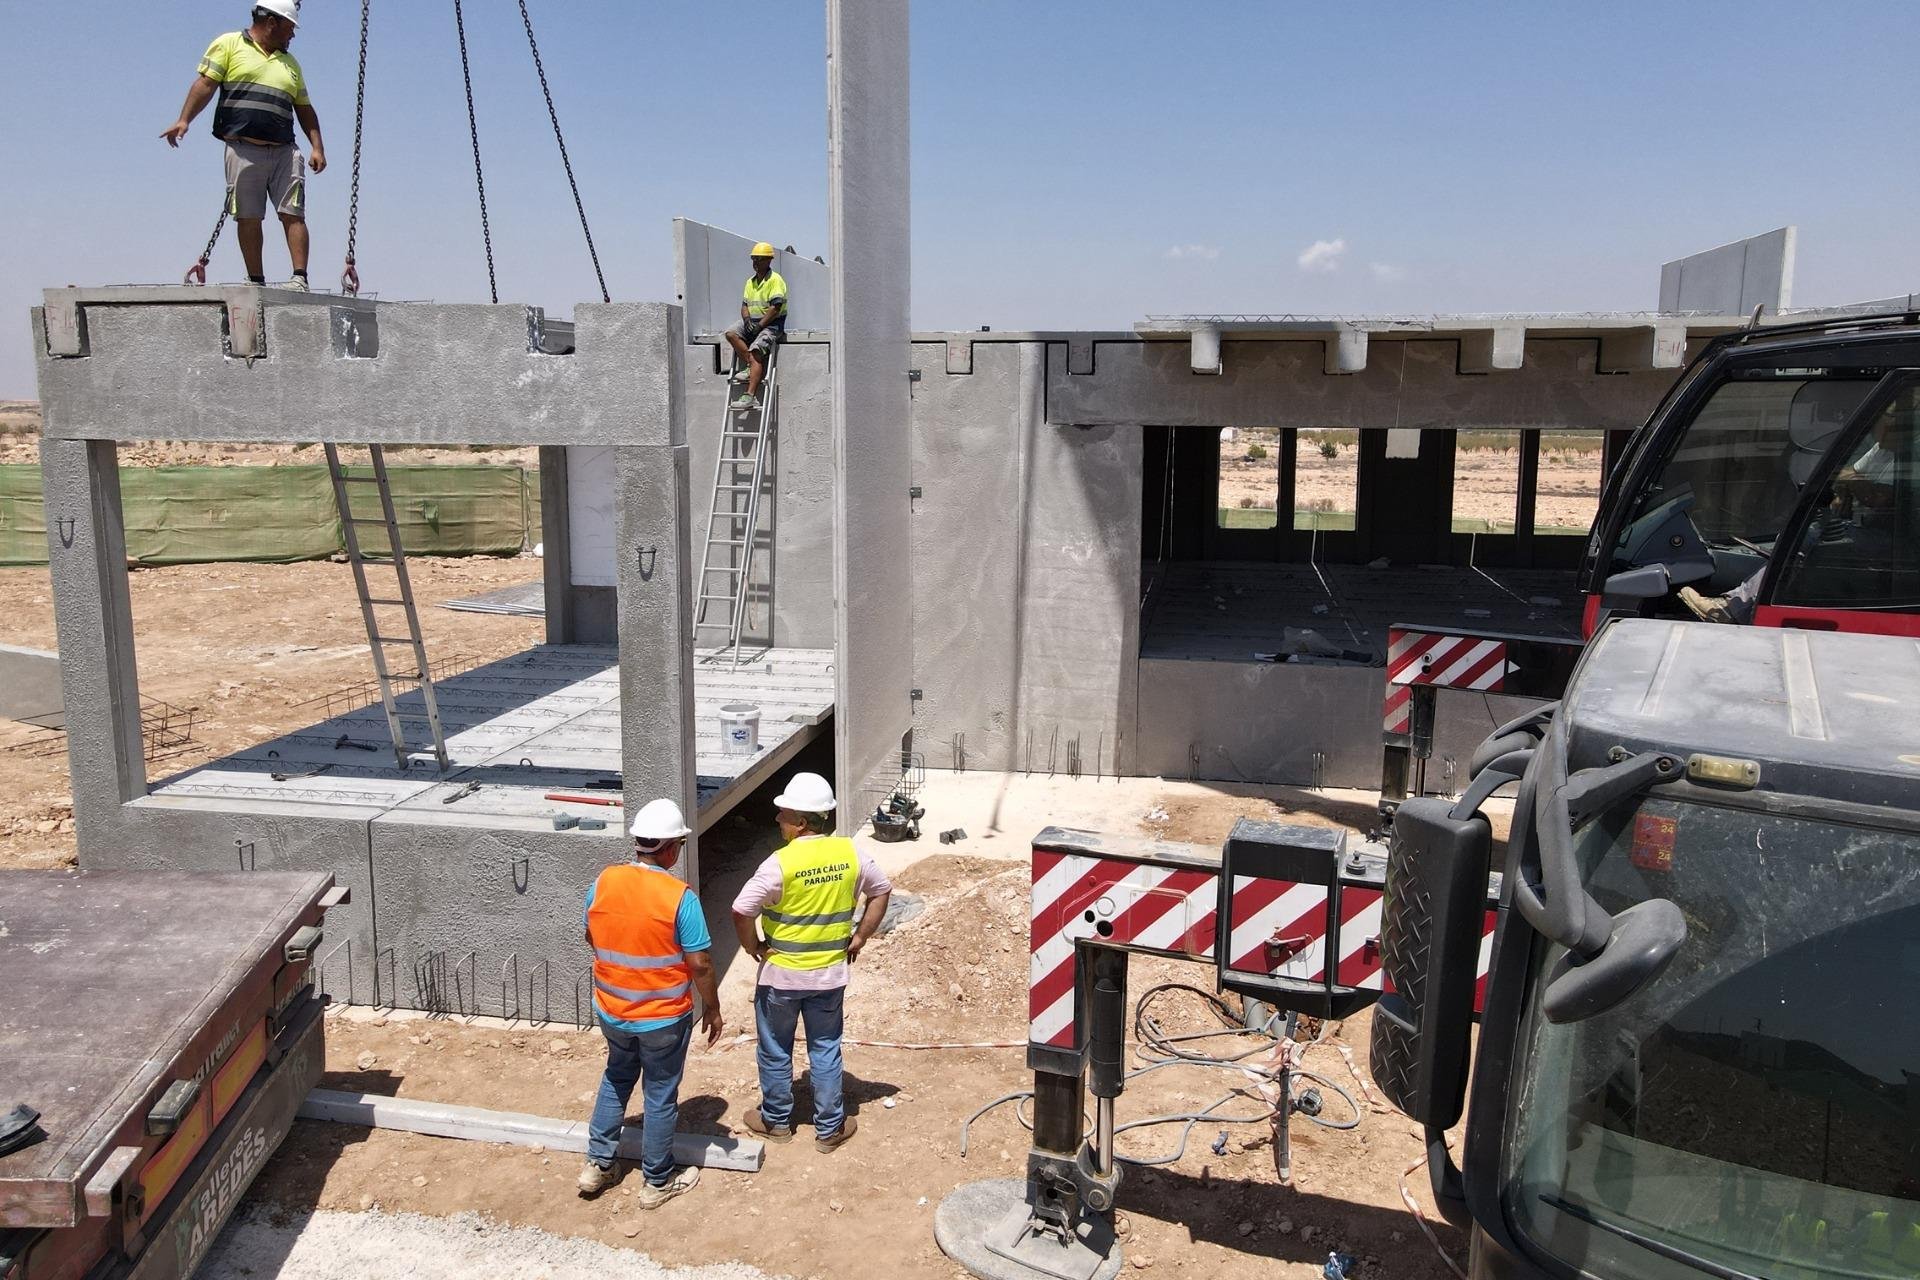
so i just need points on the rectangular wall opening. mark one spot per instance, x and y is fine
(1326, 480)
(1486, 482)
(1249, 478)
(1567, 493)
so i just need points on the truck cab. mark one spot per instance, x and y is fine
(1781, 471)
(1698, 1055)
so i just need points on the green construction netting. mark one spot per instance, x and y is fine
(197, 515)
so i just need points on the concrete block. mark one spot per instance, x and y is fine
(1658, 346)
(1080, 356)
(959, 355)
(183, 363)
(1346, 351)
(869, 179)
(462, 907)
(1204, 350)
(1489, 350)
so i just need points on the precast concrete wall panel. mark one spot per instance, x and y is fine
(487, 921)
(442, 374)
(711, 266)
(158, 835)
(1264, 722)
(868, 213)
(790, 588)
(1733, 279)
(1284, 384)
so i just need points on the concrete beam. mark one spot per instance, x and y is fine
(1489, 350)
(176, 364)
(1347, 351)
(868, 217)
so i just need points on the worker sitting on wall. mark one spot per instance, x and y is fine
(804, 896)
(763, 323)
(262, 92)
(650, 945)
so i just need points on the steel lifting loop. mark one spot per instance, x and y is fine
(350, 280)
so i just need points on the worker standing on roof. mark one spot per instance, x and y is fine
(804, 896)
(763, 323)
(650, 945)
(262, 92)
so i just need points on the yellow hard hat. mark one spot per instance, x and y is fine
(761, 250)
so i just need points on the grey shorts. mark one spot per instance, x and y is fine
(763, 342)
(257, 174)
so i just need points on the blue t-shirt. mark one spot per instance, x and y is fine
(689, 930)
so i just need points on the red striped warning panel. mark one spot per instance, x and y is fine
(1444, 661)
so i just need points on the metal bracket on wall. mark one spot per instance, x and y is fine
(245, 852)
(913, 491)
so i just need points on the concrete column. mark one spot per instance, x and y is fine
(868, 215)
(656, 634)
(99, 682)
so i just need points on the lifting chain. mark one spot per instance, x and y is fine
(350, 277)
(197, 273)
(473, 127)
(558, 137)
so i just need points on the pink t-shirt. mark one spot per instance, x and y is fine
(763, 891)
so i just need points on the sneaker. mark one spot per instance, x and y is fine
(684, 1179)
(595, 1178)
(740, 375)
(834, 1141)
(296, 285)
(757, 1123)
(745, 402)
(1707, 608)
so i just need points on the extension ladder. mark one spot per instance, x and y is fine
(402, 599)
(733, 516)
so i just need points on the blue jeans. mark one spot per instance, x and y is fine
(777, 1014)
(659, 1059)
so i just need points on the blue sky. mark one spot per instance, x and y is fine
(1075, 164)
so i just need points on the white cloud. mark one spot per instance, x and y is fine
(1204, 252)
(1323, 255)
(1387, 272)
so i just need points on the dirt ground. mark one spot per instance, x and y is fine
(1484, 483)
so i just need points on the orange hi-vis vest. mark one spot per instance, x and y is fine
(639, 971)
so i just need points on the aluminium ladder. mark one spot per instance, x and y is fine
(402, 599)
(733, 517)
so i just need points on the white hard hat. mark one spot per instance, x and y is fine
(806, 793)
(288, 9)
(658, 822)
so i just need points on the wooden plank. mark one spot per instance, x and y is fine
(107, 1179)
(446, 1120)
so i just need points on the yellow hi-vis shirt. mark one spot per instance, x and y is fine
(258, 90)
(759, 295)
(812, 922)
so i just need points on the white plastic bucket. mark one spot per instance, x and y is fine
(739, 728)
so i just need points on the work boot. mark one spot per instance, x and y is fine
(1707, 608)
(595, 1178)
(834, 1141)
(757, 1123)
(297, 284)
(745, 402)
(684, 1179)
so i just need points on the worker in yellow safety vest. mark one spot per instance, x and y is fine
(806, 899)
(763, 323)
(650, 952)
(1889, 1241)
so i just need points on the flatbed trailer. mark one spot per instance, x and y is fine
(165, 1027)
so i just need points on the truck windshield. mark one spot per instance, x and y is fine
(1751, 447)
(1756, 1111)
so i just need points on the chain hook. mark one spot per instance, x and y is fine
(350, 280)
(196, 274)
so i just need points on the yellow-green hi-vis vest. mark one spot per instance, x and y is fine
(811, 924)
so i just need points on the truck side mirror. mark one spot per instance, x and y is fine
(1436, 894)
(1648, 582)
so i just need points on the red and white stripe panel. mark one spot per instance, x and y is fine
(1449, 662)
(1079, 896)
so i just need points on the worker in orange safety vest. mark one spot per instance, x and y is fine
(650, 951)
